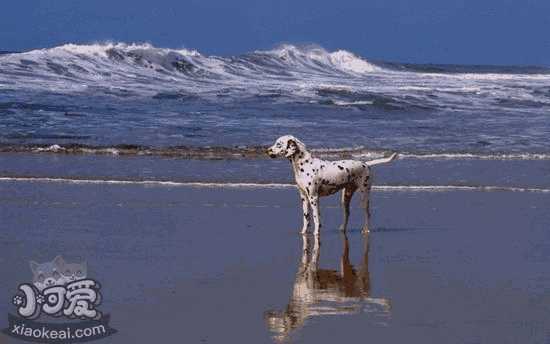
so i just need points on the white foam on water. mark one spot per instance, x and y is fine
(359, 102)
(145, 182)
(474, 156)
(350, 62)
(387, 188)
(444, 188)
(53, 148)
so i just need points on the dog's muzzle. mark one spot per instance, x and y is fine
(270, 153)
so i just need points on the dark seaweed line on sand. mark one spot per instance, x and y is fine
(184, 152)
(255, 152)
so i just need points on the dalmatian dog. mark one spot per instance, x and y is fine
(316, 178)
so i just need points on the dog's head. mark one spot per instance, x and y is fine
(286, 146)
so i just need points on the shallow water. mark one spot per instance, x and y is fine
(403, 172)
(449, 267)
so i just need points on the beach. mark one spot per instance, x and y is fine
(221, 264)
(138, 173)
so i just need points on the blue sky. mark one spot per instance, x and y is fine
(422, 31)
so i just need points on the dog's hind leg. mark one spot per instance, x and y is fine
(347, 194)
(365, 189)
(306, 214)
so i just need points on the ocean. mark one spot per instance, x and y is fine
(139, 100)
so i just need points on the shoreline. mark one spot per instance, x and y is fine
(403, 172)
(388, 188)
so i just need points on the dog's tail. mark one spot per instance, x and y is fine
(381, 161)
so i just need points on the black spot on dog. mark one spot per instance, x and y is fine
(340, 167)
(302, 170)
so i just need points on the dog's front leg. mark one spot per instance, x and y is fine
(314, 203)
(306, 214)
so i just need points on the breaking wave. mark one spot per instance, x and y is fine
(147, 68)
(309, 73)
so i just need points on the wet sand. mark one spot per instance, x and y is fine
(211, 265)
(403, 171)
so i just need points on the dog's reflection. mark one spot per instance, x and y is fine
(319, 292)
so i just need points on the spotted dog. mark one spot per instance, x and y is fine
(316, 178)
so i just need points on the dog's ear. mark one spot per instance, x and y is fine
(291, 148)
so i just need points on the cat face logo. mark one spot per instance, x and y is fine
(56, 273)
(58, 289)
